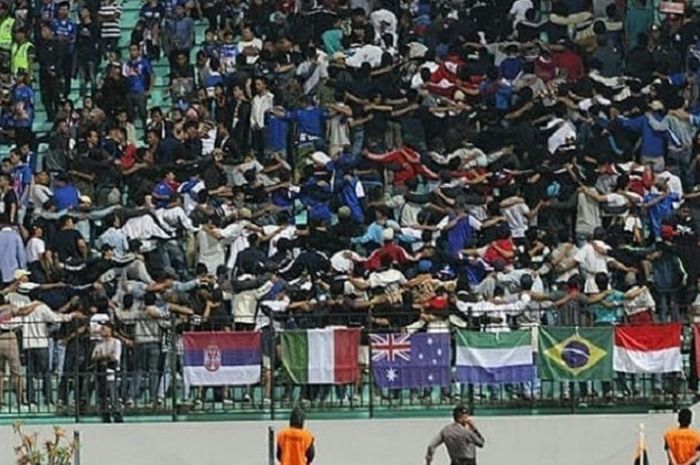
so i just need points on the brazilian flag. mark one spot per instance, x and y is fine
(576, 354)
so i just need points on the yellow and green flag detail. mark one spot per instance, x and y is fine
(576, 354)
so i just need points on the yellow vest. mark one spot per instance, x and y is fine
(20, 57)
(6, 33)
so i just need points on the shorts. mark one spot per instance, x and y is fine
(9, 353)
(268, 346)
(243, 326)
(363, 356)
(641, 318)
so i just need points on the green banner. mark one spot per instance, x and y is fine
(576, 354)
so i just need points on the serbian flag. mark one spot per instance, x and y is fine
(222, 358)
(647, 349)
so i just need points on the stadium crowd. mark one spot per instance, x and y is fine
(397, 165)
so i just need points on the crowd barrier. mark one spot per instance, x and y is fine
(155, 379)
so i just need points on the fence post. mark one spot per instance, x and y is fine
(271, 445)
(369, 364)
(76, 451)
(173, 365)
(76, 383)
(272, 381)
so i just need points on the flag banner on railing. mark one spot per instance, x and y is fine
(575, 354)
(321, 356)
(222, 358)
(648, 349)
(403, 361)
(494, 358)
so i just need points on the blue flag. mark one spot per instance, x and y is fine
(406, 361)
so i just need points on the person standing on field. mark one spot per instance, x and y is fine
(460, 437)
(682, 444)
(295, 445)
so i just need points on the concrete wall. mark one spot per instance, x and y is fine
(536, 440)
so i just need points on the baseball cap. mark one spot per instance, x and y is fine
(19, 274)
(459, 410)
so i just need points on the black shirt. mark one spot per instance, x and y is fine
(9, 199)
(65, 244)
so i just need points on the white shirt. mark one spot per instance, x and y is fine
(35, 249)
(96, 322)
(289, 232)
(519, 9)
(40, 194)
(560, 136)
(366, 53)
(35, 331)
(591, 263)
(174, 218)
(389, 279)
(516, 215)
(261, 104)
(257, 43)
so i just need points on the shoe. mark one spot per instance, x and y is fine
(247, 399)
(198, 403)
(129, 403)
(227, 402)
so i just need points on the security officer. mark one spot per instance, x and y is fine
(460, 437)
(49, 60)
(295, 445)
(22, 52)
(7, 23)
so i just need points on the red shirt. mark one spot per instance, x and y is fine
(492, 254)
(396, 252)
(571, 63)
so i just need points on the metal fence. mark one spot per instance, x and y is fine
(64, 380)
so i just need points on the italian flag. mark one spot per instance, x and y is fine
(647, 349)
(321, 356)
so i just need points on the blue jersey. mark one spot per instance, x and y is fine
(152, 14)
(23, 101)
(64, 30)
(65, 197)
(227, 57)
(309, 120)
(276, 131)
(21, 179)
(139, 73)
(47, 13)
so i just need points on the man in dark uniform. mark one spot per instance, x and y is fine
(460, 437)
(49, 60)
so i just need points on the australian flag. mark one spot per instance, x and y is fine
(407, 361)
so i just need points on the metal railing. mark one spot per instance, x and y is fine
(150, 384)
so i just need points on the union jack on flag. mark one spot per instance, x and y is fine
(390, 347)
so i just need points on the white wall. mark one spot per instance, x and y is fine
(536, 440)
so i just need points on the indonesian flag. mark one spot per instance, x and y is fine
(647, 349)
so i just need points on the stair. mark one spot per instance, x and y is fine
(160, 95)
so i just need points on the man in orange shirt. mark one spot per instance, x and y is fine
(295, 445)
(682, 443)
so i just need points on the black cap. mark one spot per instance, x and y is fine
(459, 410)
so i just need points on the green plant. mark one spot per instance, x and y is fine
(58, 451)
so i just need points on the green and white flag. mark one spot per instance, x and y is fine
(321, 356)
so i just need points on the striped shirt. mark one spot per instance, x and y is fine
(110, 20)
